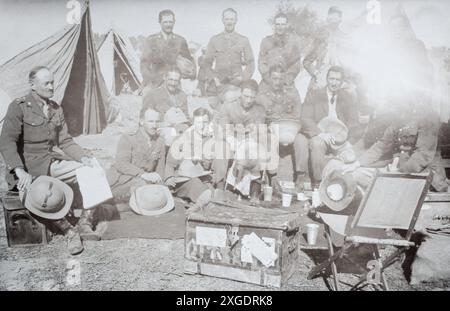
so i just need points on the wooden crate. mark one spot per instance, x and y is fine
(215, 237)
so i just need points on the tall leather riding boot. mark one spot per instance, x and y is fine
(74, 243)
(86, 225)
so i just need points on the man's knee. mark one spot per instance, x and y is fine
(317, 144)
(301, 143)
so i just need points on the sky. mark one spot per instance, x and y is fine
(25, 22)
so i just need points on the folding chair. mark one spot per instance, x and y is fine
(392, 201)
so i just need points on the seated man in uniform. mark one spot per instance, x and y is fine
(408, 146)
(195, 150)
(333, 102)
(283, 102)
(33, 125)
(241, 111)
(169, 96)
(140, 158)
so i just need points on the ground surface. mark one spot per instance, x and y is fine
(134, 264)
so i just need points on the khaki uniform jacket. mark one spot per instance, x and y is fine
(284, 52)
(160, 54)
(28, 136)
(229, 52)
(423, 157)
(160, 100)
(280, 104)
(136, 154)
(235, 114)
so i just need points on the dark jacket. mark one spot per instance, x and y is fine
(280, 52)
(315, 108)
(160, 100)
(424, 155)
(28, 137)
(280, 104)
(160, 54)
(229, 53)
(136, 154)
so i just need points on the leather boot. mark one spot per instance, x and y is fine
(86, 224)
(74, 243)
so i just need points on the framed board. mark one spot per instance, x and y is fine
(393, 201)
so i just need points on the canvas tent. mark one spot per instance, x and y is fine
(79, 86)
(119, 63)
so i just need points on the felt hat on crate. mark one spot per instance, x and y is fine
(49, 198)
(151, 200)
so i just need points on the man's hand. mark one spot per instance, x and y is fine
(349, 168)
(217, 81)
(24, 179)
(88, 161)
(151, 177)
(327, 138)
(170, 182)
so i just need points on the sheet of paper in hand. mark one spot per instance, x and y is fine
(93, 185)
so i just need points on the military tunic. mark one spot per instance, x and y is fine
(283, 104)
(161, 101)
(159, 54)
(28, 136)
(136, 155)
(424, 155)
(229, 52)
(284, 51)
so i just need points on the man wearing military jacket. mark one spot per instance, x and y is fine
(33, 126)
(282, 48)
(162, 50)
(232, 56)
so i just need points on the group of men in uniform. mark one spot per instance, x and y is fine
(34, 124)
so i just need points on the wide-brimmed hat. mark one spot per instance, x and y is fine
(49, 198)
(337, 190)
(151, 200)
(287, 130)
(336, 128)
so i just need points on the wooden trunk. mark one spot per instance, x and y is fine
(22, 229)
(216, 243)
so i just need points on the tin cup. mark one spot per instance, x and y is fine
(311, 232)
(268, 191)
(286, 199)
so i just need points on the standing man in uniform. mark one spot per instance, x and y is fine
(282, 48)
(232, 56)
(33, 125)
(162, 50)
(283, 102)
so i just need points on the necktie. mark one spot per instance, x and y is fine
(333, 99)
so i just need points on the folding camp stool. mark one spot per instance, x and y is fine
(393, 201)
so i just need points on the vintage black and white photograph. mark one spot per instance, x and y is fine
(228, 145)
